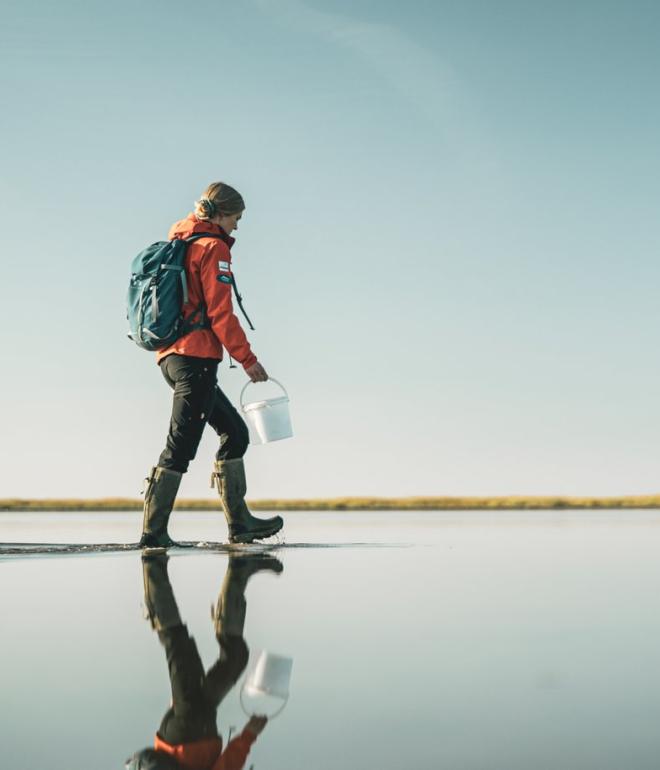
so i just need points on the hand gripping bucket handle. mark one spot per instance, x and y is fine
(249, 382)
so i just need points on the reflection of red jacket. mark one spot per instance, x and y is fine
(207, 754)
(208, 269)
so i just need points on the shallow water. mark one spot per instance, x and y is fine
(425, 640)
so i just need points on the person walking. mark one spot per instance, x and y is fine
(188, 736)
(190, 366)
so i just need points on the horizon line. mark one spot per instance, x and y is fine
(354, 503)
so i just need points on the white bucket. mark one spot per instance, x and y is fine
(269, 419)
(265, 692)
(270, 676)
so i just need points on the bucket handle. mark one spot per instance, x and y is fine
(247, 713)
(249, 382)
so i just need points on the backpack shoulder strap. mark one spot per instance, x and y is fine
(239, 299)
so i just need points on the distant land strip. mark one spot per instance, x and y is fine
(350, 504)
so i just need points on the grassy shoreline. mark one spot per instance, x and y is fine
(512, 503)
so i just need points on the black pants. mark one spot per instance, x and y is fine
(198, 400)
(196, 694)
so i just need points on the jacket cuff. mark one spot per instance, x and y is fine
(251, 360)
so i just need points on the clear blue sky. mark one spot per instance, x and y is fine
(450, 249)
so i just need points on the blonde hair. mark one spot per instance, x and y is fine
(219, 198)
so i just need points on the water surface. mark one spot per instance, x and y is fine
(427, 640)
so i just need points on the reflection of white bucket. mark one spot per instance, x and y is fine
(270, 676)
(267, 685)
(269, 419)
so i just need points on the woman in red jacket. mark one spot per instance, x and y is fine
(190, 366)
(188, 736)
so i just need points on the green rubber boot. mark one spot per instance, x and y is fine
(229, 479)
(159, 496)
(229, 613)
(159, 600)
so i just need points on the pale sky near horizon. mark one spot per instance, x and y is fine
(450, 248)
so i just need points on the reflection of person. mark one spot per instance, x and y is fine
(189, 367)
(188, 736)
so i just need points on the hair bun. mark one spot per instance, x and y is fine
(205, 208)
(219, 199)
(209, 206)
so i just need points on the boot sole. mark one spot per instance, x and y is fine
(250, 537)
(163, 548)
(153, 549)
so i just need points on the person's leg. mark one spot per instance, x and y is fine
(229, 621)
(229, 474)
(160, 492)
(188, 718)
(230, 427)
(162, 609)
(193, 382)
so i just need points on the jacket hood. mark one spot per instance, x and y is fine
(184, 228)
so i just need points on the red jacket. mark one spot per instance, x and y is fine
(207, 754)
(208, 270)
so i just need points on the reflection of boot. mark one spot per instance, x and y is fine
(158, 595)
(159, 496)
(229, 615)
(229, 478)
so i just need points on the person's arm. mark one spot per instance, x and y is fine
(216, 285)
(234, 756)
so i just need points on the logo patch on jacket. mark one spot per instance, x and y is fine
(224, 266)
(224, 278)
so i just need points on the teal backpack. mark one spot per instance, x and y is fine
(157, 292)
